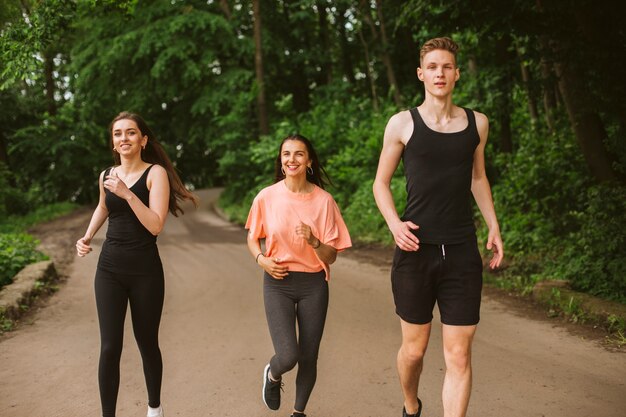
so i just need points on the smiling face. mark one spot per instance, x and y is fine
(294, 158)
(438, 72)
(127, 138)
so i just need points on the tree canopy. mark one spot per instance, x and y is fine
(221, 82)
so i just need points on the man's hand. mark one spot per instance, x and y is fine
(494, 244)
(403, 236)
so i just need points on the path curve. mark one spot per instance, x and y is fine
(215, 344)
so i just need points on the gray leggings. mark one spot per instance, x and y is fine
(301, 297)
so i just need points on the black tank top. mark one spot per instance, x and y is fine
(438, 169)
(129, 247)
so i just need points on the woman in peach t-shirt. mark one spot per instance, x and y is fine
(303, 231)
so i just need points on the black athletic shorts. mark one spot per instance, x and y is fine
(451, 275)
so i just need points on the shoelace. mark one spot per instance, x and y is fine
(280, 381)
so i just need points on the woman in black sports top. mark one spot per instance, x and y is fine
(135, 195)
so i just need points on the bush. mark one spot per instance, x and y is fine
(594, 259)
(12, 200)
(19, 224)
(347, 138)
(16, 251)
(555, 223)
(362, 217)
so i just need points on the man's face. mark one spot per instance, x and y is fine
(438, 72)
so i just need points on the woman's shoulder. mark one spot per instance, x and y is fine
(156, 168)
(268, 192)
(106, 171)
(323, 195)
(155, 171)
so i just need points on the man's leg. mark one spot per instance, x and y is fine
(411, 361)
(457, 384)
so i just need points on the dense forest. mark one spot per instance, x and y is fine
(223, 81)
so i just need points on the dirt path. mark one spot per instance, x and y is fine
(215, 343)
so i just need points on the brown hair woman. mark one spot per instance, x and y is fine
(135, 195)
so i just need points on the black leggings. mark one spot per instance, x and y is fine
(145, 294)
(301, 297)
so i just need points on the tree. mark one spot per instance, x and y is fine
(383, 47)
(258, 67)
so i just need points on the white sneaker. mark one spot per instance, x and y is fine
(155, 412)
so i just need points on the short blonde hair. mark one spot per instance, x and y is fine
(444, 43)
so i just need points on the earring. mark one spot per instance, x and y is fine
(282, 170)
(143, 147)
(114, 150)
(309, 170)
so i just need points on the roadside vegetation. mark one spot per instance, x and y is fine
(544, 74)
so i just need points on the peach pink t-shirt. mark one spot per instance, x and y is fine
(274, 215)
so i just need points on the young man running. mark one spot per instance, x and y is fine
(436, 258)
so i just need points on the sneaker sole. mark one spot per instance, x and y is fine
(265, 378)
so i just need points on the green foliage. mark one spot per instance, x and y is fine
(555, 222)
(538, 191)
(12, 201)
(69, 67)
(20, 223)
(594, 258)
(362, 217)
(16, 251)
(60, 160)
(25, 39)
(347, 138)
(194, 92)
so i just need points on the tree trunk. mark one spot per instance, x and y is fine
(264, 128)
(504, 57)
(547, 77)
(370, 75)
(4, 155)
(526, 79)
(346, 58)
(472, 69)
(297, 79)
(586, 123)
(226, 9)
(391, 75)
(326, 64)
(48, 69)
(549, 96)
(391, 78)
(597, 31)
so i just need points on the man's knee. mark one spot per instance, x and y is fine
(458, 357)
(413, 352)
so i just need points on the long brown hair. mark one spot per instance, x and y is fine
(154, 153)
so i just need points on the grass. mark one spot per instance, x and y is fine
(13, 225)
(19, 224)
(560, 301)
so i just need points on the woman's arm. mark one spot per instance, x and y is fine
(271, 266)
(152, 217)
(326, 253)
(100, 214)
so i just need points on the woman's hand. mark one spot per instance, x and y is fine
(114, 184)
(304, 231)
(272, 266)
(83, 246)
